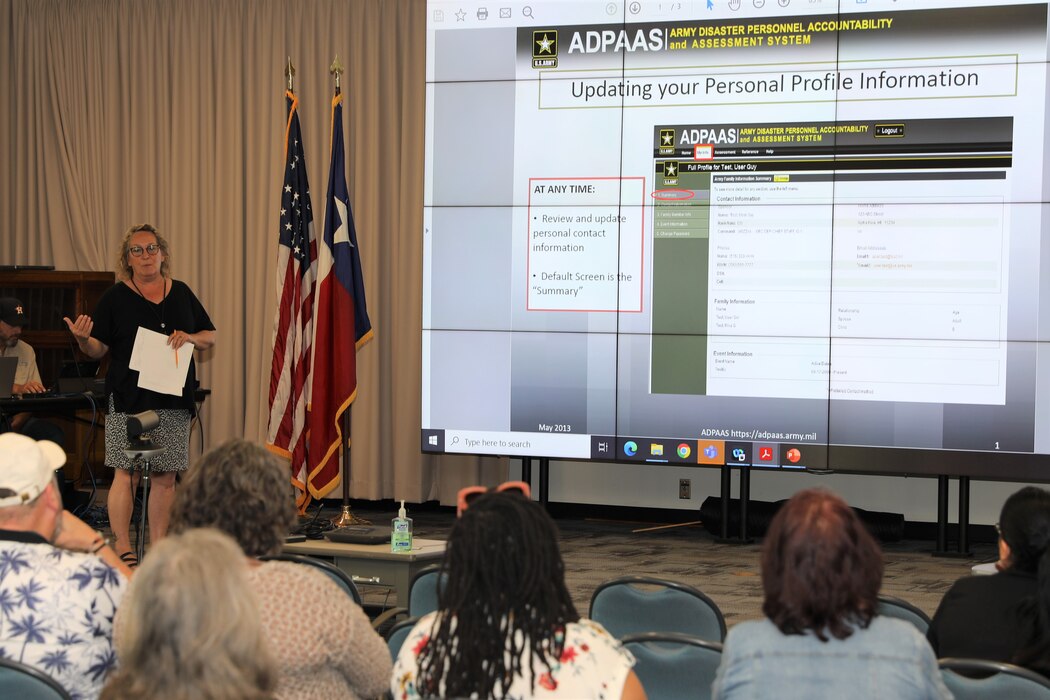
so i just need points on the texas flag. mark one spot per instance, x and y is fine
(341, 324)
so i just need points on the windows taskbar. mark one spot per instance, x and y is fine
(653, 450)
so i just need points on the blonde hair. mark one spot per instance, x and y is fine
(124, 268)
(188, 627)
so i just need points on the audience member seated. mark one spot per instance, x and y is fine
(323, 642)
(506, 626)
(1004, 617)
(821, 574)
(189, 627)
(60, 582)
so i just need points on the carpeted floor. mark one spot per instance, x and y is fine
(597, 550)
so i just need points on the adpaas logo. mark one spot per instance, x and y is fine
(545, 48)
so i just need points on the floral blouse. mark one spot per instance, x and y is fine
(56, 611)
(593, 665)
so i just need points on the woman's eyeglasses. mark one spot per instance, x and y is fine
(137, 250)
(468, 494)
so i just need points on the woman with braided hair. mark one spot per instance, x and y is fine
(506, 626)
(1006, 616)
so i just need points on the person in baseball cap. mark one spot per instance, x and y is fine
(54, 549)
(28, 478)
(12, 319)
(26, 468)
(12, 312)
(27, 376)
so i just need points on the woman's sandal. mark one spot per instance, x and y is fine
(130, 559)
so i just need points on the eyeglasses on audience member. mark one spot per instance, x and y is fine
(467, 494)
(137, 250)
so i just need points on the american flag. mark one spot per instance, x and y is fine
(341, 323)
(293, 322)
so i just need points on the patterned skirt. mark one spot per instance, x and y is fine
(172, 433)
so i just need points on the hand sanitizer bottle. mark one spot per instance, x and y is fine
(401, 532)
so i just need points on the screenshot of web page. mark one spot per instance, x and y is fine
(651, 224)
(888, 237)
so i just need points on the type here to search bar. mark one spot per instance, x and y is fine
(569, 446)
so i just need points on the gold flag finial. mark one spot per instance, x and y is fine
(337, 70)
(289, 72)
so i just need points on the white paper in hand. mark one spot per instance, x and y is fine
(160, 368)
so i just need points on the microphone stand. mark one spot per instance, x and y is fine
(141, 450)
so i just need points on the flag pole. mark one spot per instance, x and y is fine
(346, 517)
(286, 429)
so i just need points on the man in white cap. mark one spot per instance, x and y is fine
(60, 582)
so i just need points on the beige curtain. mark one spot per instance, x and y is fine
(127, 111)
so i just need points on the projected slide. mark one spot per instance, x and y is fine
(800, 235)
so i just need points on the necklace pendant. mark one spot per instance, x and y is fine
(163, 326)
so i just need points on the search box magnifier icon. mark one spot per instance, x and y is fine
(526, 11)
(455, 441)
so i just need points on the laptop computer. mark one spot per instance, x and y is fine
(359, 534)
(8, 367)
(78, 377)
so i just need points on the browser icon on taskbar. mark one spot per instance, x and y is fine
(630, 448)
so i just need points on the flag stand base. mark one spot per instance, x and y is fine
(347, 518)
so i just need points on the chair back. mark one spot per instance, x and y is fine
(623, 607)
(27, 683)
(968, 679)
(398, 633)
(674, 666)
(331, 570)
(423, 590)
(903, 610)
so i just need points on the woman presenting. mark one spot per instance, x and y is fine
(146, 297)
